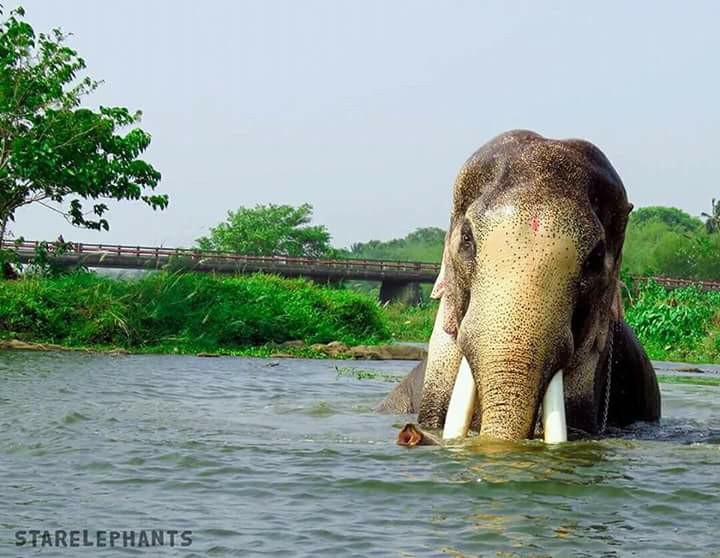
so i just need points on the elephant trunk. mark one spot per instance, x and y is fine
(513, 360)
(510, 398)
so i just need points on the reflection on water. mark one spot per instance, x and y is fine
(291, 460)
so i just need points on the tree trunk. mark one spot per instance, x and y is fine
(3, 227)
(7, 270)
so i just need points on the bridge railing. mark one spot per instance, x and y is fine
(674, 282)
(158, 252)
(359, 265)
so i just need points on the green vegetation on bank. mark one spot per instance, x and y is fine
(679, 324)
(411, 323)
(667, 241)
(201, 313)
(187, 313)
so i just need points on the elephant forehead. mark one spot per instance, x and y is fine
(527, 265)
(544, 224)
(546, 242)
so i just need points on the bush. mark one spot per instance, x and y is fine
(672, 321)
(194, 311)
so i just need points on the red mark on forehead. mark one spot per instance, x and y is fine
(535, 223)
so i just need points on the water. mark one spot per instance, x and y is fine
(287, 458)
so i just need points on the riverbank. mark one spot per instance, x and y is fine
(185, 313)
(267, 316)
(291, 349)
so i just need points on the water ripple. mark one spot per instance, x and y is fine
(290, 460)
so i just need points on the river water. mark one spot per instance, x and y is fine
(260, 457)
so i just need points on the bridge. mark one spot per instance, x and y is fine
(399, 281)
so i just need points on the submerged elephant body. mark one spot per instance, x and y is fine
(528, 287)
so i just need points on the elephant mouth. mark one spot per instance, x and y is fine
(462, 406)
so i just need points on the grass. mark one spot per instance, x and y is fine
(189, 313)
(680, 324)
(411, 323)
(186, 313)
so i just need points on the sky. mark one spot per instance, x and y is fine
(367, 110)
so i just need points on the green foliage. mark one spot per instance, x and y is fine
(190, 311)
(666, 241)
(672, 317)
(270, 230)
(712, 219)
(675, 324)
(422, 245)
(673, 218)
(411, 323)
(51, 148)
(179, 312)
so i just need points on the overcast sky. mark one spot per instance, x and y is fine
(367, 109)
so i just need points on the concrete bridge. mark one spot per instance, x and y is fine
(398, 280)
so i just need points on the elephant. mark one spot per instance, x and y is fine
(529, 292)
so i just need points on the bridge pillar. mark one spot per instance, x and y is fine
(400, 291)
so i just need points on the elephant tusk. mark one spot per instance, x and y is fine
(554, 424)
(462, 404)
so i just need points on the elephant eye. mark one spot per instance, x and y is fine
(466, 233)
(595, 262)
(467, 242)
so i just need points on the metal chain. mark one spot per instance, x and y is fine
(606, 410)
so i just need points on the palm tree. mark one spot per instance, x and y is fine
(712, 220)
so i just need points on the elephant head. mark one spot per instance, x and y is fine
(529, 282)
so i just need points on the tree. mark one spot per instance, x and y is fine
(712, 220)
(53, 152)
(423, 244)
(270, 230)
(668, 241)
(673, 217)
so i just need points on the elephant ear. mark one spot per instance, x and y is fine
(606, 194)
(451, 323)
(479, 170)
(439, 287)
(444, 290)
